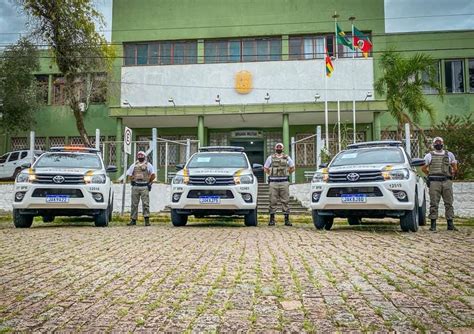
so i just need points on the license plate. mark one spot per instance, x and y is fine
(57, 199)
(354, 198)
(209, 199)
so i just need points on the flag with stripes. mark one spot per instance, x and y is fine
(329, 67)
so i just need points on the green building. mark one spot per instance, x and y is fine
(252, 73)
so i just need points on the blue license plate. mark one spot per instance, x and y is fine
(209, 199)
(354, 198)
(57, 199)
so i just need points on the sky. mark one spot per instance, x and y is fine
(401, 16)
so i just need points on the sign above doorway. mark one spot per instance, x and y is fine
(246, 134)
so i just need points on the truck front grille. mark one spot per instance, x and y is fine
(43, 192)
(368, 191)
(363, 176)
(211, 180)
(220, 193)
(66, 179)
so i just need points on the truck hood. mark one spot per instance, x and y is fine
(64, 171)
(214, 171)
(355, 168)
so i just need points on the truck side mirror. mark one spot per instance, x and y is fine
(179, 167)
(323, 165)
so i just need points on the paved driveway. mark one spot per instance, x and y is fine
(218, 278)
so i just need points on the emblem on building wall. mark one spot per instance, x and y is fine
(243, 82)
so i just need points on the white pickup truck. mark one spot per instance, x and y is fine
(218, 180)
(369, 180)
(66, 181)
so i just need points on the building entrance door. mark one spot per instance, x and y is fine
(254, 151)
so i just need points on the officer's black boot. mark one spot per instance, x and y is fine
(451, 225)
(433, 225)
(147, 221)
(272, 219)
(132, 222)
(287, 220)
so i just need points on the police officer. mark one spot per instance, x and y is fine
(279, 166)
(440, 166)
(141, 174)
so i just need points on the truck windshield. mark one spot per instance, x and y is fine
(216, 160)
(384, 155)
(69, 160)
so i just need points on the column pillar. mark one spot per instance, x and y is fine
(119, 146)
(285, 47)
(286, 133)
(201, 132)
(50, 89)
(376, 126)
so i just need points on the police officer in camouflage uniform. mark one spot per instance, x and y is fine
(441, 167)
(141, 174)
(279, 166)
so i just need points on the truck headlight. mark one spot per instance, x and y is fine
(396, 174)
(244, 179)
(95, 179)
(320, 177)
(178, 179)
(23, 178)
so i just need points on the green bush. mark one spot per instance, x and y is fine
(458, 135)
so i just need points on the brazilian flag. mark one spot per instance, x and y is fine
(342, 39)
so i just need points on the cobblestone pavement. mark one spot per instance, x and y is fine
(204, 278)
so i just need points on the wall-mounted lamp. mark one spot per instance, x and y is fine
(369, 94)
(126, 103)
(171, 100)
(317, 97)
(218, 99)
(267, 97)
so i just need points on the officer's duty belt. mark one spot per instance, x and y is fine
(139, 184)
(439, 178)
(278, 180)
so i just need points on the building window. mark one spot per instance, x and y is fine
(59, 92)
(160, 53)
(471, 75)
(310, 47)
(43, 83)
(427, 89)
(454, 76)
(242, 50)
(97, 88)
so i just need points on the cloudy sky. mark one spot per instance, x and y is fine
(401, 16)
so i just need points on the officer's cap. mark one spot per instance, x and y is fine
(435, 139)
(279, 145)
(141, 154)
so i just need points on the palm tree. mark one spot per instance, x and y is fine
(402, 82)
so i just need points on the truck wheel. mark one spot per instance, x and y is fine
(251, 218)
(354, 220)
(178, 219)
(422, 213)
(22, 221)
(102, 219)
(111, 209)
(321, 222)
(48, 219)
(409, 222)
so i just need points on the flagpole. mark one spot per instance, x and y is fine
(326, 115)
(339, 123)
(335, 16)
(354, 124)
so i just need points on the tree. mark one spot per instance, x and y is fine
(402, 82)
(20, 95)
(69, 28)
(456, 132)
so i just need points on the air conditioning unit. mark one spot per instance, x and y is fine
(82, 106)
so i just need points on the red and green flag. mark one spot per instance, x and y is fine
(329, 67)
(362, 42)
(342, 38)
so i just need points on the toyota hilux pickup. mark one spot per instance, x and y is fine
(66, 181)
(218, 180)
(369, 180)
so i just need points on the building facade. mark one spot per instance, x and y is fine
(253, 74)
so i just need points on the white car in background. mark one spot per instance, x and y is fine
(369, 180)
(218, 180)
(11, 162)
(66, 181)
